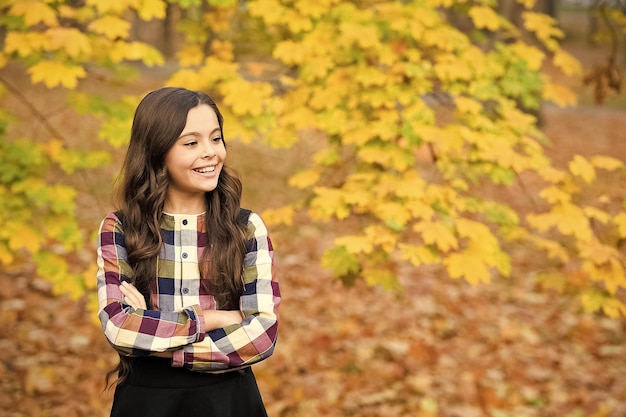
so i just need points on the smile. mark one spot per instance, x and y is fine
(205, 170)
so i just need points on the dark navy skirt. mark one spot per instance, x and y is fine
(156, 389)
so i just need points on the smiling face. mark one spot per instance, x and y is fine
(194, 162)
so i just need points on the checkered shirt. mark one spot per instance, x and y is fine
(176, 322)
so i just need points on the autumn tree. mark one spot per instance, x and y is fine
(419, 118)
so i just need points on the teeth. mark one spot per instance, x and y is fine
(205, 170)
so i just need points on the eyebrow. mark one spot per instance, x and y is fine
(217, 129)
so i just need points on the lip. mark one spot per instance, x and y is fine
(198, 169)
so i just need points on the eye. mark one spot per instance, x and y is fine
(217, 139)
(191, 143)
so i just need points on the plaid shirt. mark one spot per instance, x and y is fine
(176, 322)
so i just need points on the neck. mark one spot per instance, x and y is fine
(195, 205)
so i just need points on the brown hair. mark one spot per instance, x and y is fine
(159, 120)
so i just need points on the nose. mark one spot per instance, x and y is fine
(209, 152)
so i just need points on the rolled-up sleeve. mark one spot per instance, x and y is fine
(136, 332)
(254, 339)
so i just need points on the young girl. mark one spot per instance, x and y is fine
(186, 292)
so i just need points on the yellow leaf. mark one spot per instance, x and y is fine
(598, 253)
(187, 78)
(34, 12)
(559, 94)
(467, 105)
(24, 236)
(328, 202)
(421, 210)
(283, 215)
(611, 274)
(366, 36)
(290, 52)
(381, 278)
(418, 255)
(70, 40)
(555, 250)
(607, 162)
(355, 244)
(151, 9)
(469, 266)
(434, 233)
(531, 54)
(254, 92)
(567, 63)
(542, 25)
(396, 213)
(54, 73)
(597, 214)
(223, 50)
(580, 167)
(554, 194)
(190, 55)
(111, 27)
(113, 7)
(382, 236)
(25, 43)
(528, 4)
(613, 308)
(448, 69)
(304, 179)
(620, 222)
(484, 18)
(6, 257)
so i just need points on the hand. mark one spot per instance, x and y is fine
(132, 296)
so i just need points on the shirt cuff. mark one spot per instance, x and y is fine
(178, 358)
(199, 319)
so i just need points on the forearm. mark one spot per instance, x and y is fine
(217, 319)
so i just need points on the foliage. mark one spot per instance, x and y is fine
(423, 106)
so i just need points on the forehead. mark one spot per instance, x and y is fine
(201, 118)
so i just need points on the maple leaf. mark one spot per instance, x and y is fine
(34, 12)
(555, 195)
(620, 221)
(560, 95)
(283, 215)
(70, 40)
(54, 73)
(151, 9)
(469, 266)
(582, 168)
(418, 255)
(567, 63)
(531, 54)
(606, 162)
(6, 255)
(435, 233)
(24, 236)
(25, 43)
(304, 179)
(355, 244)
(542, 25)
(379, 277)
(111, 27)
(484, 18)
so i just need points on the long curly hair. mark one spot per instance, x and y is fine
(142, 188)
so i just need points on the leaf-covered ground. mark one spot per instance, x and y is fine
(439, 348)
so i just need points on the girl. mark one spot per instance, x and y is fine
(186, 292)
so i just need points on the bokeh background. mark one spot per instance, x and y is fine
(432, 346)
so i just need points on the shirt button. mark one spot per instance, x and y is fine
(184, 255)
(185, 222)
(185, 290)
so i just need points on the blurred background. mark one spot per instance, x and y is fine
(443, 181)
